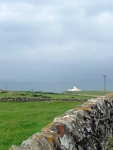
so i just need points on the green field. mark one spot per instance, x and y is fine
(19, 120)
(78, 94)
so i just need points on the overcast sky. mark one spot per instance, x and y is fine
(55, 39)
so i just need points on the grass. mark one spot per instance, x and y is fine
(18, 120)
(78, 94)
(87, 94)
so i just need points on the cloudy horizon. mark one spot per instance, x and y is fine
(55, 40)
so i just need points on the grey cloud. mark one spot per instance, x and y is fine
(56, 38)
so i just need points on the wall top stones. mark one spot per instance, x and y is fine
(85, 127)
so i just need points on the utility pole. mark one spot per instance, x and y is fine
(105, 83)
(6, 88)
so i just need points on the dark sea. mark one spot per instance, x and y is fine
(58, 86)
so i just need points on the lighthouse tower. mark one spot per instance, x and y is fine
(74, 86)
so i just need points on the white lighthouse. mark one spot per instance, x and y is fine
(74, 89)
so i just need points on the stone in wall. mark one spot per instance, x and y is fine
(24, 99)
(85, 127)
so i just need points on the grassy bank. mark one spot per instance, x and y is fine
(18, 120)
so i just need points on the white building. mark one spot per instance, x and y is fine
(74, 89)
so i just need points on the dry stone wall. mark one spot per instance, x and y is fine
(24, 99)
(85, 127)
